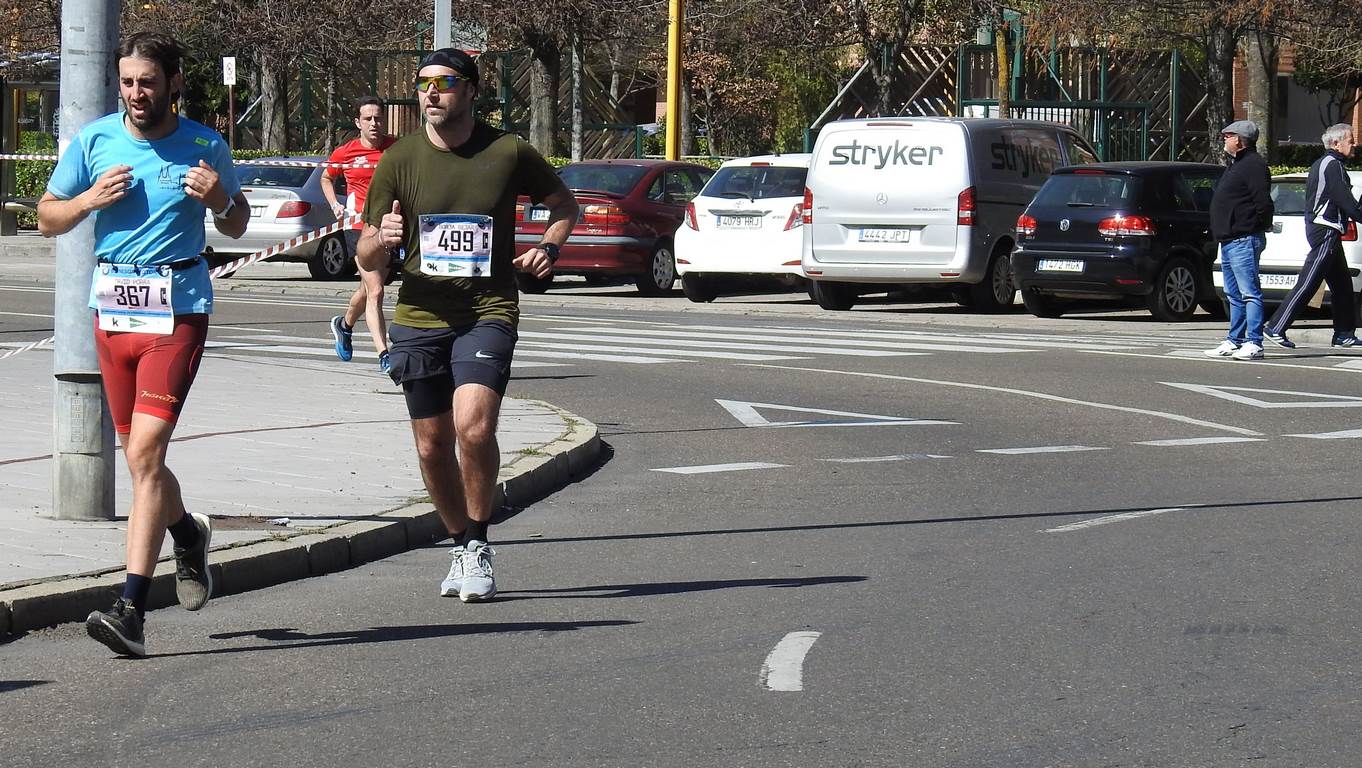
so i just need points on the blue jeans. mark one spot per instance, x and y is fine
(1239, 265)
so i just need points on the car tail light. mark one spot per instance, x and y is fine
(807, 215)
(1350, 234)
(1125, 226)
(965, 206)
(519, 212)
(605, 215)
(293, 209)
(1026, 226)
(690, 217)
(796, 217)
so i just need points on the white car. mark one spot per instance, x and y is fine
(746, 221)
(1286, 246)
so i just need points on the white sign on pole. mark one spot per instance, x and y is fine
(229, 70)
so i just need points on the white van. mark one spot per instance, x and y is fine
(893, 201)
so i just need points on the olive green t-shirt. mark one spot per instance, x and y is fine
(482, 176)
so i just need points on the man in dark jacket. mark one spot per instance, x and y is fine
(1330, 207)
(1241, 211)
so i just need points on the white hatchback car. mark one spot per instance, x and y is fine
(746, 221)
(1286, 246)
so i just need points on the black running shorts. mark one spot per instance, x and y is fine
(430, 363)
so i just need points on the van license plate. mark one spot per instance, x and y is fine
(1285, 282)
(1059, 265)
(739, 222)
(886, 235)
(539, 214)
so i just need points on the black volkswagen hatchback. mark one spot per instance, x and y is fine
(1120, 230)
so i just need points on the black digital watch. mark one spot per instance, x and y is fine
(551, 249)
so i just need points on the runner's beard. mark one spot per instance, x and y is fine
(157, 107)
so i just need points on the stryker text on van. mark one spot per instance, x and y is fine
(857, 153)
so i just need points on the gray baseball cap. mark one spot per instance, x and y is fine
(1244, 128)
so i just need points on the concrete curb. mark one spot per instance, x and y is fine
(281, 558)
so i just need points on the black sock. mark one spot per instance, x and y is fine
(475, 531)
(135, 591)
(185, 532)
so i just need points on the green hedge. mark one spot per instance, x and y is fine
(708, 162)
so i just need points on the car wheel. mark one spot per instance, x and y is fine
(528, 283)
(1174, 298)
(838, 297)
(995, 293)
(699, 288)
(661, 274)
(1041, 305)
(332, 260)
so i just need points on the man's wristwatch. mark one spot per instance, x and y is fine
(551, 249)
(225, 211)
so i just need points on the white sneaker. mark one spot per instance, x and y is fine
(478, 583)
(1249, 351)
(1226, 349)
(453, 583)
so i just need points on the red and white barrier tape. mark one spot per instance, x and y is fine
(262, 163)
(265, 253)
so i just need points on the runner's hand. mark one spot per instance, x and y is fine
(110, 187)
(390, 228)
(201, 183)
(338, 210)
(534, 261)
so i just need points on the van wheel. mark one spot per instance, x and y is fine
(995, 292)
(699, 288)
(1041, 305)
(661, 272)
(1175, 292)
(838, 297)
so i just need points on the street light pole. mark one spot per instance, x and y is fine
(82, 431)
(675, 18)
(444, 22)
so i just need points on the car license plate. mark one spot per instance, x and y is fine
(1286, 282)
(886, 235)
(257, 211)
(539, 214)
(739, 222)
(1059, 265)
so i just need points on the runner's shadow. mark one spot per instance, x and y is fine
(17, 685)
(668, 588)
(289, 637)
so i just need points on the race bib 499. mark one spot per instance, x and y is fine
(456, 245)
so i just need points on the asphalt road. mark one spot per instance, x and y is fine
(901, 536)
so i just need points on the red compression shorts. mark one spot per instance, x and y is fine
(149, 373)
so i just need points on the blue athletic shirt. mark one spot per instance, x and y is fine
(155, 222)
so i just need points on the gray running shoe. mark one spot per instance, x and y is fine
(478, 583)
(193, 578)
(120, 628)
(453, 583)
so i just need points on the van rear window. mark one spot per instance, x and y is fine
(1288, 198)
(756, 182)
(1089, 191)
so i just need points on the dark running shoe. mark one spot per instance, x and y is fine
(1344, 341)
(345, 338)
(1279, 339)
(120, 628)
(385, 362)
(193, 579)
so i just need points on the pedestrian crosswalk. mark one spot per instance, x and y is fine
(552, 341)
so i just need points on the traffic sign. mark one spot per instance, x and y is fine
(229, 70)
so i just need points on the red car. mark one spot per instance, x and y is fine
(628, 212)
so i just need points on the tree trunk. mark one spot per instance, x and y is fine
(273, 108)
(1004, 66)
(578, 109)
(331, 112)
(616, 48)
(686, 125)
(545, 76)
(1260, 60)
(1220, 46)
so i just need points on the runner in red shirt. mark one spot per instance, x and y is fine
(367, 300)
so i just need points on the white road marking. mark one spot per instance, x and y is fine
(1301, 399)
(978, 340)
(796, 347)
(1344, 435)
(1200, 441)
(1112, 519)
(895, 457)
(1042, 449)
(1354, 365)
(1022, 392)
(746, 413)
(806, 340)
(27, 314)
(225, 348)
(657, 351)
(636, 359)
(1195, 356)
(708, 468)
(783, 669)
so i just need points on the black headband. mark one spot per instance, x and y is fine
(453, 58)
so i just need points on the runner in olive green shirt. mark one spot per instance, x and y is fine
(447, 195)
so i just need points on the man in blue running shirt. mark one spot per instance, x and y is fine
(147, 175)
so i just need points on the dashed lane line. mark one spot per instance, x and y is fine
(1043, 449)
(783, 669)
(702, 469)
(1093, 523)
(1199, 441)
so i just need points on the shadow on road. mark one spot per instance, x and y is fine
(668, 588)
(18, 685)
